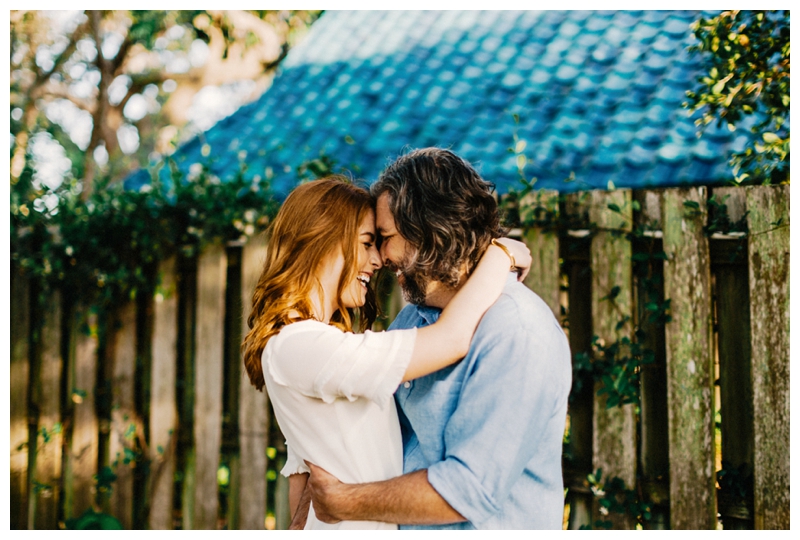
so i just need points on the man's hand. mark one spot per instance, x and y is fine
(326, 491)
(408, 499)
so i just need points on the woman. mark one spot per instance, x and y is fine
(332, 389)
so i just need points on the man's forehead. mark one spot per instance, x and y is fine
(384, 220)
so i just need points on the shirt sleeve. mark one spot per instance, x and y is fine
(294, 465)
(506, 417)
(323, 362)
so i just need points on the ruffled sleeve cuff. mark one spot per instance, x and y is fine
(294, 465)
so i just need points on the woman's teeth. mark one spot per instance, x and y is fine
(364, 279)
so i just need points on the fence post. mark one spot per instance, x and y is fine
(163, 409)
(81, 462)
(654, 449)
(253, 407)
(209, 355)
(123, 412)
(544, 277)
(19, 374)
(614, 429)
(47, 399)
(690, 363)
(735, 372)
(768, 252)
(578, 456)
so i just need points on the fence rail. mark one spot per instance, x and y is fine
(144, 412)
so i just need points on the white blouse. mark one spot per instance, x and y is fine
(332, 396)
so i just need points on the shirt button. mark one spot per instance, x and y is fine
(407, 384)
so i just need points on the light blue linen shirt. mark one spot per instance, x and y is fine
(489, 429)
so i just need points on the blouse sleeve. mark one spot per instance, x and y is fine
(294, 465)
(323, 362)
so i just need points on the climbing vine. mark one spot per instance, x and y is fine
(105, 248)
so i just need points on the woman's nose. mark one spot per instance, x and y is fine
(375, 258)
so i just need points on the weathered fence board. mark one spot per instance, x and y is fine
(81, 462)
(544, 276)
(690, 364)
(768, 250)
(46, 398)
(19, 375)
(578, 462)
(654, 443)
(163, 409)
(253, 407)
(581, 404)
(736, 385)
(123, 412)
(209, 355)
(732, 291)
(614, 448)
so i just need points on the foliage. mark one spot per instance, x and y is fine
(107, 247)
(736, 482)
(87, 81)
(615, 498)
(719, 220)
(91, 520)
(748, 76)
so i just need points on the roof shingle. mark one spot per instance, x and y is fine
(598, 96)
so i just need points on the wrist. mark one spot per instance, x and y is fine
(339, 502)
(507, 252)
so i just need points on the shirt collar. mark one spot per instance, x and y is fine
(429, 314)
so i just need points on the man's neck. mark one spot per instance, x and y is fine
(439, 294)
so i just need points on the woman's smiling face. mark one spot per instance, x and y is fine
(367, 263)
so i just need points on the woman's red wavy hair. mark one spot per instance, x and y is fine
(316, 220)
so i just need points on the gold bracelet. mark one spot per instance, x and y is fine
(507, 252)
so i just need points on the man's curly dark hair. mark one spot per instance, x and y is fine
(443, 208)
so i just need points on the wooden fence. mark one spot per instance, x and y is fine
(145, 413)
(721, 365)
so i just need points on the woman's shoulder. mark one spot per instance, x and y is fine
(307, 325)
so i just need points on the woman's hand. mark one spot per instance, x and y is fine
(521, 253)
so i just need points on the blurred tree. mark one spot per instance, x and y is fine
(106, 91)
(748, 55)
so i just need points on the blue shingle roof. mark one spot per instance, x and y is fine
(597, 94)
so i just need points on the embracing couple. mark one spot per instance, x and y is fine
(452, 418)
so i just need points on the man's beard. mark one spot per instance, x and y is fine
(413, 282)
(414, 286)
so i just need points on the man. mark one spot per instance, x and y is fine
(482, 439)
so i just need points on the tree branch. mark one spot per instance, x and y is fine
(41, 77)
(58, 91)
